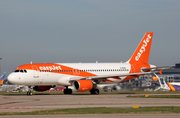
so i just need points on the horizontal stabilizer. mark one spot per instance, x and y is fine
(155, 68)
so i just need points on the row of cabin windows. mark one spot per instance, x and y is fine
(25, 71)
(84, 70)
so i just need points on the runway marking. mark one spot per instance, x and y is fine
(18, 102)
(17, 107)
(13, 102)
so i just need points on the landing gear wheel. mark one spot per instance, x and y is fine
(94, 91)
(29, 90)
(67, 91)
(29, 93)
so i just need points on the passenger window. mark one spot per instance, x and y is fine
(25, 71)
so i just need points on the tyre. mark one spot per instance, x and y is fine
(94, 91)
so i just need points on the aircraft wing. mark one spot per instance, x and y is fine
(102, 77)
(108, 76)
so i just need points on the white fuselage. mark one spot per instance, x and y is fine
(36, 77)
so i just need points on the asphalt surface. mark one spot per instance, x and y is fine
(98, 116)
(24, 103)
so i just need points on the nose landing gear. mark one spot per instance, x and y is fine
(29, 93)
(29, 90)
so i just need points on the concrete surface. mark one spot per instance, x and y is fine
(24, 103)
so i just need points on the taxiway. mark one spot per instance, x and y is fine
(23, 103)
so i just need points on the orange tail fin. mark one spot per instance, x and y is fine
(141, 54)
(2, 79)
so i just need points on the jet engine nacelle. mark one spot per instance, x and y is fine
(83, 85)
(42, 88)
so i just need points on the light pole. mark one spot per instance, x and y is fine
(0, 66)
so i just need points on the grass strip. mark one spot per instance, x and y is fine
(101, 110)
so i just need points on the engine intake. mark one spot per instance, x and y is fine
(83, 85)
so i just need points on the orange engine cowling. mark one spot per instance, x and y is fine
(83, 85)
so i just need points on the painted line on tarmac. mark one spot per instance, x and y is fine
(17, 107)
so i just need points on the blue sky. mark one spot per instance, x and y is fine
(66, 31)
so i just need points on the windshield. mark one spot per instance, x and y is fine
(162, 81)
(21, 71)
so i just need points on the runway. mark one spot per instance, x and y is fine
(23, 103)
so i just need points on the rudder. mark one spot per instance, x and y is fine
(2, 79)
(141, 54)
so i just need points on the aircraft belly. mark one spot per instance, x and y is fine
(113, 80)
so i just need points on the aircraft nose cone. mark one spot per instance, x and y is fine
(11, 78)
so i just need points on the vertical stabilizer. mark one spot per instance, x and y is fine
(141, 54)
(2, 79)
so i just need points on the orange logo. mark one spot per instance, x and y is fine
(143, 47)
(76, 71)
(50, 67)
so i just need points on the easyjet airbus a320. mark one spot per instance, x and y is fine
(84, 76)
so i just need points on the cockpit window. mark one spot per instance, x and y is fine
(22, 71)
(16, 71)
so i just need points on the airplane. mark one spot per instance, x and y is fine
(84, 76)
(171, 86)
(109, 87)
(2, 79)
(174, 86)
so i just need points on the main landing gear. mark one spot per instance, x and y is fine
(67, 91)
(94, 91)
